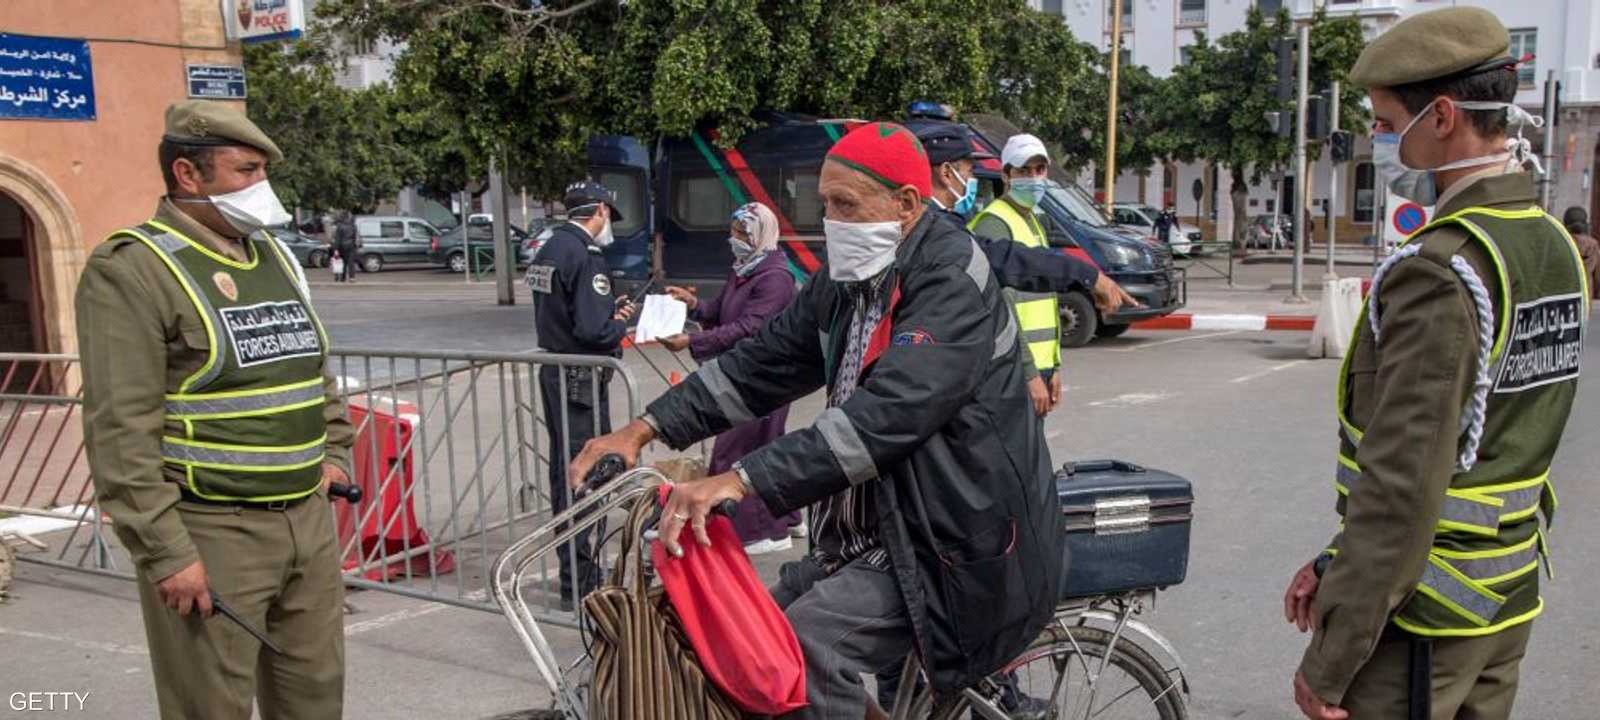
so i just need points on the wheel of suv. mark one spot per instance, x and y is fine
(457, 262)
(317, 259)
(372, 263)
(1079, 320)
(1108, 330)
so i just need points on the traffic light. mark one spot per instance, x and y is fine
(1281, 123)
(1340, 145)
(1316, 117)
(1283, 48)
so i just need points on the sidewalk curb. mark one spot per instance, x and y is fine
(1187, 321)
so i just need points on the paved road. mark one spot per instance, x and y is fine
(1243, 415)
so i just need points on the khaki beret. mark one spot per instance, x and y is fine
(1431, 45)
(203, 122)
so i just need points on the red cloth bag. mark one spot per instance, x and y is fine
(743, 640)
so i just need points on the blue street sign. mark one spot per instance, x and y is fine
(1409, 218)
(45, 78)
(216, 82)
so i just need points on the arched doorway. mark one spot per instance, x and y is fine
(21, 306)
(41, 256)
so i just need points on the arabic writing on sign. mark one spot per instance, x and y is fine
(45, 78)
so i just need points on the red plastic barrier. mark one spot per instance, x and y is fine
(387, 518)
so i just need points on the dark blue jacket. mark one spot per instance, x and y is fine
(939, 428)
(572, 301)
(1031, 269)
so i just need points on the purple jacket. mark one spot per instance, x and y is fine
(743, 306)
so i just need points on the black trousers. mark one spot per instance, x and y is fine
(583, 417)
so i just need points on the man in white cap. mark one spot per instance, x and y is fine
(1026, 163)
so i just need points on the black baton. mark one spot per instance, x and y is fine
(227, 612)
(1420, 700)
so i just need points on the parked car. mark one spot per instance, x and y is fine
(393, 240)
(1074, 223)
(539, 232)
(309, 251)
(677, 195)
(1142, 218)
(449, 252)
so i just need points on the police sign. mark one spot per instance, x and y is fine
(216, 82)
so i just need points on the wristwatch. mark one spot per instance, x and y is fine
(1320, 565)
(744, 479)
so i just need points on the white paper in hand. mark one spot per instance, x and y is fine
(661, 316)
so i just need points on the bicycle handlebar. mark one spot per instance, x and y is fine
(609, 466)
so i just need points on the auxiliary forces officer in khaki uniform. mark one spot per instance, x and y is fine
(213, 428)
(1452, 400)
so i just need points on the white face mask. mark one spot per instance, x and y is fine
(859, 251)
(252, 208)
(604, 238)
(1418, 185)
(740, 248)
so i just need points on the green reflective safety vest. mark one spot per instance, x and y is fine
(1036, 312)
(1481, 575)
(248, 424)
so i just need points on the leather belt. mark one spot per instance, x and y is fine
(188, 496)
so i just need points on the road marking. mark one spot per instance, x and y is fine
(1268, 371)
(1185, 338)
(399, 616)
(1132, 399)
(1229, 322)
(80, 644)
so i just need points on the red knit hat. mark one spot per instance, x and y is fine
(887, 153)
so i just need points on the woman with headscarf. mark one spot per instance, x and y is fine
(759, 287)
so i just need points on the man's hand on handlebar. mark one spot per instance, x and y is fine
(626, 442)
(690, 503)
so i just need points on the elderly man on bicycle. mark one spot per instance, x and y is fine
(934, 521)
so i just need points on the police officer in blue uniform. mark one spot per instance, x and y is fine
(576, 314)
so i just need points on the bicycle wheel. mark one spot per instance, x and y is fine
(1059, 677)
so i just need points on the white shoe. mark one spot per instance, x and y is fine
(762, 547)
(799, 531)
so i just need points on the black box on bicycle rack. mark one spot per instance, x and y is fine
(1127, 527)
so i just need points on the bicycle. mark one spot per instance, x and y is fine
(1098, 638)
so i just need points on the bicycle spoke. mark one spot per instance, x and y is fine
(1114, 700)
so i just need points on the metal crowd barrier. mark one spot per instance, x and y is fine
(45, 492)
(452, 454)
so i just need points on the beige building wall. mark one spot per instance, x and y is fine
(79, 181)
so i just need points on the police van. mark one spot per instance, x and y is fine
(678, 197)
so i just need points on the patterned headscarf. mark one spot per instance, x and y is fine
(761, 225)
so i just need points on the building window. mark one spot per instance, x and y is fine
(1365, 194)
(1525, 44)
(360, 45)
(1186, 55)
(1052, 6)
(1269, 7)
(1127, 14)
(1191, 12)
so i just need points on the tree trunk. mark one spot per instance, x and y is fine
(1240, 193)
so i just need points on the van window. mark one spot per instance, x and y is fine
(629, 187)
(700, 202)
(388, 229)
(421, 232)
(800, 200)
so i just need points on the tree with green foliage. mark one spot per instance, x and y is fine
(534, 81)
(340, 148)
(1222, 96)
